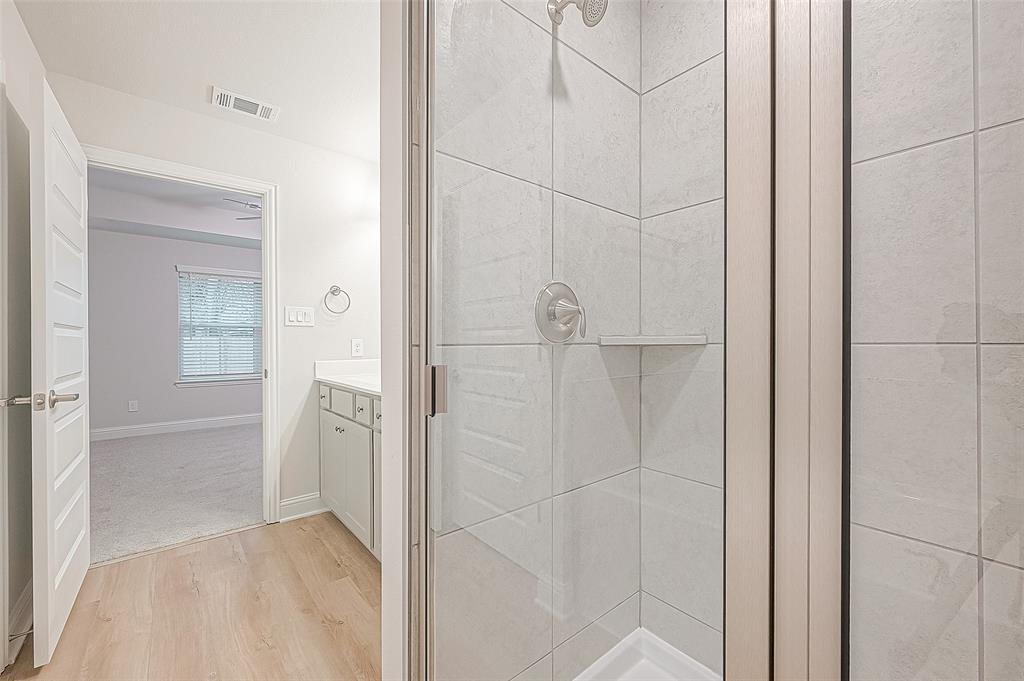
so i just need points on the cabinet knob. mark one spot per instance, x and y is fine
(339, 429)
(377, 417)
(359, 409)
(323, 397)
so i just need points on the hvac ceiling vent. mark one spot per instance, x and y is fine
(244, 105)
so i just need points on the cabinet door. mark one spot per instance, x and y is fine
(376, 495)
(333, 431)
(358, 503)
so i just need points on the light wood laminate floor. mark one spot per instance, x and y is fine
(297, 600)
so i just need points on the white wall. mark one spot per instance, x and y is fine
(133, 326)
(328, 232)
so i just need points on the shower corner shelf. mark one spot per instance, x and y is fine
(699, 339)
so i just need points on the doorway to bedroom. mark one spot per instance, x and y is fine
(175, 361)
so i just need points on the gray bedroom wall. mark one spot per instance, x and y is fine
(133, 322)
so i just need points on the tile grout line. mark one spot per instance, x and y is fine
(639, 327)
(545, 187)
(977, 337)
(559, 41)
(685, 71)
(918, 540)
(694, 618)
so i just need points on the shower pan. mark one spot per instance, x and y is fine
(572, 263)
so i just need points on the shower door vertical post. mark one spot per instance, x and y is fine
(809, 340)
(748, 366)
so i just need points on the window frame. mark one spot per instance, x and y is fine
(226, 379)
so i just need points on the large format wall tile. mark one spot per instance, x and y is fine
(1001, 232)
(912, 246)
(493, 584)
(596, 413)
(495, 440)
(913, 441)
(682, 411)
(683, 140)
(583, 649)
(493, 88)
(1000, 61)
(682, 274)
(597, 551)
(597, 124)
(614, 44)
(1004, 623)
(682, 544)
(1002, 458)
(913, 610)
(538, 671)
(495, 253)
(597, 252)
(912, 74)
(682, 632)
(678, 35)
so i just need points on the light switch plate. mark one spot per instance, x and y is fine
(357, 347)
(298, 316)
(133, 405)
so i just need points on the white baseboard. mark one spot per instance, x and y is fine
(21, 620)
(115, 432)
(301, 506)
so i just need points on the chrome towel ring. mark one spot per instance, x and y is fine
(335, 306)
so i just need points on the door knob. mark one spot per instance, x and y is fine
(67, 397)
(558, 313)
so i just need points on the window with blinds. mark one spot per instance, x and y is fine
(220, 325)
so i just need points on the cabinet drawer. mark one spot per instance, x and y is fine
(376, 414)
(364, 410)
(342, 402)
(325, 396)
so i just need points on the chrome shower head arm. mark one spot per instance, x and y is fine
(555, 8)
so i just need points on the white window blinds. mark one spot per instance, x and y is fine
(220, 324)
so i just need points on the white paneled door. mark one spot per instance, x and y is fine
(60, 420)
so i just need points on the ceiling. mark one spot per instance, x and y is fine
(317, 61)
(153, 206)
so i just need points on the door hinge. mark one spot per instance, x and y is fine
(435, 389)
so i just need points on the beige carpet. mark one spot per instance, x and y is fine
(157, 490)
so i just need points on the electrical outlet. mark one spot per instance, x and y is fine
(133, 405)
(357, 347)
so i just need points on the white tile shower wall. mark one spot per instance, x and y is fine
(1004, 623)
(493, 79)
(683, 543)
(536, 490)
(911, 74)
(938, 357)
(538, 166)
(597, 125)
(596, 414)
(597, 252)
(682, 292)
(1001, 237)
(683, 412)
(913, 610)
(683, 140)
(683, 272)
(597, 551)
(1000, 61)
(582, 650)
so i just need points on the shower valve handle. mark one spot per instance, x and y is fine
(559, 314)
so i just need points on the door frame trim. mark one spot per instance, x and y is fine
(102, 157)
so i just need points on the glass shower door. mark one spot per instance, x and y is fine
(576, 483)
(936, 387)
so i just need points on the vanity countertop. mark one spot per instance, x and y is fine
(359, 375)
